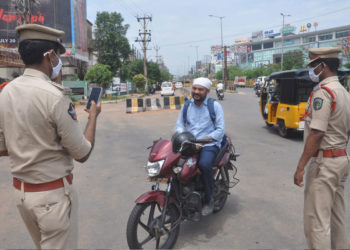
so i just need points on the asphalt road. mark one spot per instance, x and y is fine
(263, 211)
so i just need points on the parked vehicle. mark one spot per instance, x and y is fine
(167, 89)
(156, 218)
(178, 85)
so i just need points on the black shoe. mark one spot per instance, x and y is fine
(208, 208)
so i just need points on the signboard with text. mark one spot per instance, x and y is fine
(66, 15)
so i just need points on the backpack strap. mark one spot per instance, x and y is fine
(184, 111)
(211, 109)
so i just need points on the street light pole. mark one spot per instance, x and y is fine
(283, 15)
(222, 47)
(196, 55)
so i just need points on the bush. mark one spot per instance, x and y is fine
(100, 74)
(139, 80)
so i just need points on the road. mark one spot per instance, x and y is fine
(263, 211)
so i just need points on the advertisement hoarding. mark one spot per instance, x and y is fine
(66, 15)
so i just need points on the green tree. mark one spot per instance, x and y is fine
(293, 60)
(165, 76)
(153, 72)
(347, 65)
(139, 81)
(110, 41)
(101, 75)
(218, 75)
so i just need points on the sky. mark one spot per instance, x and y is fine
(179, 26)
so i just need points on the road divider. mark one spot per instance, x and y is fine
(153, 104)
(134, 105)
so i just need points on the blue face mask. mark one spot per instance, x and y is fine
(313, 76)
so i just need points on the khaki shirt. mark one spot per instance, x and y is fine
(336, 124)
(39, 129)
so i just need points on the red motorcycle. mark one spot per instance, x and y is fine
(155, 220)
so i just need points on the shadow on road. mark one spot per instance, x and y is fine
(294, 135)
(208, 227)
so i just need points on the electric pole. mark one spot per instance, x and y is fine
(144, 39)
(157, 48)
(225, 66)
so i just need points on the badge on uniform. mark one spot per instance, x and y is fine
(318, 103)
(72, 112)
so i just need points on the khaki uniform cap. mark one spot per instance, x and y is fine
(329, 52)
(40, 32)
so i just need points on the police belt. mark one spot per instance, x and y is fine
(29, 187)
(331, 152)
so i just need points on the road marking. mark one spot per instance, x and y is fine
(241, 93)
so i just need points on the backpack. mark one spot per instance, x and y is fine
(211, 113)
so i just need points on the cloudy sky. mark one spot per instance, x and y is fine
(178, 26)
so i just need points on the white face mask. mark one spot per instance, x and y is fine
(55, 69)
(313, 76)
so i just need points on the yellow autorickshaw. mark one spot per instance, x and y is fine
(283, 100)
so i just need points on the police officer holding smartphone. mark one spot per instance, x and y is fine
(40, 133)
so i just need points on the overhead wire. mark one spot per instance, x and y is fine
(244, 33)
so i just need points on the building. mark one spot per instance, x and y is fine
(265, 47)
(66, 15)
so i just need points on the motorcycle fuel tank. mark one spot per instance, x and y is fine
(190, 168)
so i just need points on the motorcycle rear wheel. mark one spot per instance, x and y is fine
(143, 231)
(221, 198)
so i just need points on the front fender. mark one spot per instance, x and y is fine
(155, 196)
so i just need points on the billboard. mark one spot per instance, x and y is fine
(66, 15)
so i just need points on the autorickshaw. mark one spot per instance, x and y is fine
(284, 98)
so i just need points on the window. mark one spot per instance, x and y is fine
(340, 34)
(325, 37)
(309, 39)
(268, 45)
(256, 46)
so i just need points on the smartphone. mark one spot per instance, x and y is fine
(95, 96)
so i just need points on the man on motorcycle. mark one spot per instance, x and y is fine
(201, 125)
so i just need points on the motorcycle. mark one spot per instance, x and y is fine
(220, 94)
(156, 218)
(257, 91)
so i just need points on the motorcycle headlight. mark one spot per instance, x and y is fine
(153, 168)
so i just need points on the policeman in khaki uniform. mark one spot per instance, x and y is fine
(326, 135)
(40, 133)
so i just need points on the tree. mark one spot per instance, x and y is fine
(165, 76)
(347, 65)
(101, 75)
(293, 60)
(153, 72)
(139, 80)
(110, 41)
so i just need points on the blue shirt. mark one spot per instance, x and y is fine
(200, 124)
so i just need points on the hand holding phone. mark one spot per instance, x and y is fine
(95, 96)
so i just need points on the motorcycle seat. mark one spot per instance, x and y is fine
(220, 154)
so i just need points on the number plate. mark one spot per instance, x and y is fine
(301, 125)
(158, 180)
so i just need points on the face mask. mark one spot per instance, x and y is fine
(313, 76)
(55, 69)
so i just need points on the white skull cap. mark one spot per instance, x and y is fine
(203, 81)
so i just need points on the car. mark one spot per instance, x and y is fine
(178, 85)
(167, 89)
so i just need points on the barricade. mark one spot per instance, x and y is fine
(152, 104)
(169, 102)
(179, 101)
(134, 105)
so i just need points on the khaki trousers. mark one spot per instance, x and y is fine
(324, 209)
(50, 216)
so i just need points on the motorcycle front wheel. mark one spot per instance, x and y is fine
(144, 229)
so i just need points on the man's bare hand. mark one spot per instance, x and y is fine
(299, 176)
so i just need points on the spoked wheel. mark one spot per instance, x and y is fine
(144, 229)
(221, 190)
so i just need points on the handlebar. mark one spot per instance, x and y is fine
(204, 141)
